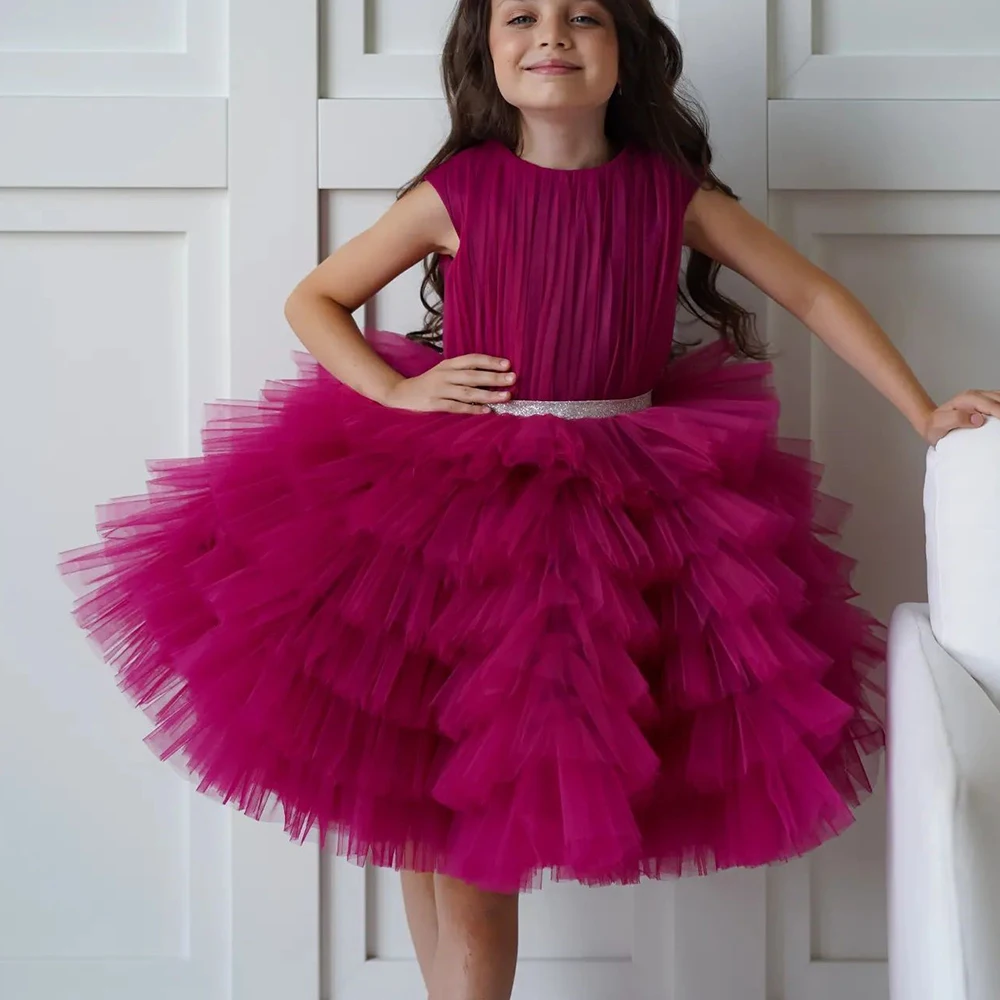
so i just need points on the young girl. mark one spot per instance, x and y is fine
(545, 599)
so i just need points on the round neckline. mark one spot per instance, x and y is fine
(561, 171)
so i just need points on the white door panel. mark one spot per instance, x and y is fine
(892, 50)
(880, 150)
(117, 283)
(106, 47)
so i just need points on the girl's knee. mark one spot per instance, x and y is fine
(471, 908)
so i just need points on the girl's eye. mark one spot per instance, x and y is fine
(523, 19)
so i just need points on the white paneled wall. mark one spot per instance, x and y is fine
(169, 170)
(895, 49)
(882, 168)
(145, 48)
(923, 264)
(112, 299)
(896, 27)
(383, 48)
(117, 284)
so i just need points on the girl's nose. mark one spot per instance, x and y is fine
(553, 33)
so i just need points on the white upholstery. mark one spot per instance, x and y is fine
(944, 739)
(962, 505)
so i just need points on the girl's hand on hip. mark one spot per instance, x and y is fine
(466, 384)
(967, 409)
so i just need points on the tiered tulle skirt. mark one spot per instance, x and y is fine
(493, 646)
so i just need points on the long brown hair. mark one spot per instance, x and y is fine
(647, 111)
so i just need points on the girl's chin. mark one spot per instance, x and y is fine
(553, 103)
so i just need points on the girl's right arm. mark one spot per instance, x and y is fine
(320, 309)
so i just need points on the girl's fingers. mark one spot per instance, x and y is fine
(961, 420)
(453, 406)
(473, 394)
(476, 361)
(472, 376)
(988, 402)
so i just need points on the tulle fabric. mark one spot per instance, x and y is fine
(496, 646)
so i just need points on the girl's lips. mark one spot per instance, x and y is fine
(553, 69)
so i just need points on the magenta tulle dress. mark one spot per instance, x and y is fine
(493, 645)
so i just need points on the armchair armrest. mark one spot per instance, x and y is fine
(944, 821)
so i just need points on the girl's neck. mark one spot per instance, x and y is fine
(564, 145)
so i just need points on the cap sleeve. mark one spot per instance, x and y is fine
(452, 181)
(690, 177)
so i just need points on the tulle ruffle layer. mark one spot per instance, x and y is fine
(493, 646)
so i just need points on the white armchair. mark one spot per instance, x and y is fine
(944, 739)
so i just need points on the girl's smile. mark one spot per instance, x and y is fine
(554, 67)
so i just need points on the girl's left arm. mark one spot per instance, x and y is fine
(720, 227)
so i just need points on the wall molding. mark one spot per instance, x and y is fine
(841, 145)
(113, 142)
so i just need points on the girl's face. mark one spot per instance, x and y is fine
(554, 55)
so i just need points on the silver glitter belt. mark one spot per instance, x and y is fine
(574, 408)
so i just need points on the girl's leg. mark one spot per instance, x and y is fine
(421, 917)
(477, 942)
